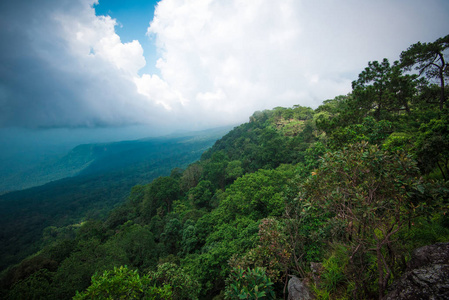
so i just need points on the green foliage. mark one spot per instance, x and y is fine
(191, 176)
(189, 240)
(369, 193)
(369, 130)
(249, 284)
(371, 89)
(171, 236)
(334, 113)
(104, 184)
(270, 139)
(334, 269)
(75, 272)
(201, 195)
(423, 231)
(308, 229)
(338, 185)
(234, 170)
(398, 141)
(257, 195)
(433, 145)
(429, 60)
(160, 193)
(313, 153)
(134, 245)
(123, 283)
(36, 286)
(210, 266)
(182, 284)
(272, 251)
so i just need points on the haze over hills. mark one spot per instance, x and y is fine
(51, 161)
(88, 182)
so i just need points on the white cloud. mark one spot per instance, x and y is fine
(230, 58)
(158, 90)
(94, 36)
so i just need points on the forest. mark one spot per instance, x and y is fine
(355, 185)
(103, 175)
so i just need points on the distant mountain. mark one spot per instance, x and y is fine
(41, 165)
(99, 176)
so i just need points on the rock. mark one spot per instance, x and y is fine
(297, 290)
(426, 277)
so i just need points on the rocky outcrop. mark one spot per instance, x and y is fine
(426, 277)
(297, 290)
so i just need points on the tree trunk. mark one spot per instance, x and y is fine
(442, 100)
(441, 71)
(380, 270)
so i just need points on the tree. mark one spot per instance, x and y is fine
(137, 245)
(191, 176)
(369, 130)
(36, 286)
(402, 88)
(215, 169)
(257, 195)
(171, 237)
(161, 192)
(383, 88)
(201, 194)
(123, 283)
(183, 286)
(272, 252)
(369, 193)
(432, 146)
(429, 59)
(371, 88)
(234, 170)
(335, 113)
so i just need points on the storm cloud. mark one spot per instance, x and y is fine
(64, 66)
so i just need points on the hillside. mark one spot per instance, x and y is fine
(338, 196)
(103, 174)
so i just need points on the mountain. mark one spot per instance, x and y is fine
(99, 176)
(340, 195)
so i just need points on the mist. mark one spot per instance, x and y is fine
(24, 148)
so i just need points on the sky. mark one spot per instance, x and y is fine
(192, 64)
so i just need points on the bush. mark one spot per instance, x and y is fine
(249, 284)
(123, 283)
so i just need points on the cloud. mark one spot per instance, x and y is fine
(66, 67)
(230, 58)
(159, 91)
(63, 66)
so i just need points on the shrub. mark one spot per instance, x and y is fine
(249, 284)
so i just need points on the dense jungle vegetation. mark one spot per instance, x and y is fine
(103, 176)
(354, 185)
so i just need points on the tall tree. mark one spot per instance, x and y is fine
(429, 60)
(383, 88)
(161, 192)
(371, 88)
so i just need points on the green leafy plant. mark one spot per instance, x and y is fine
(183, 286)
(249, 284)
(334, 269)
(123, 283)
(272, 251)
(370, 192)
